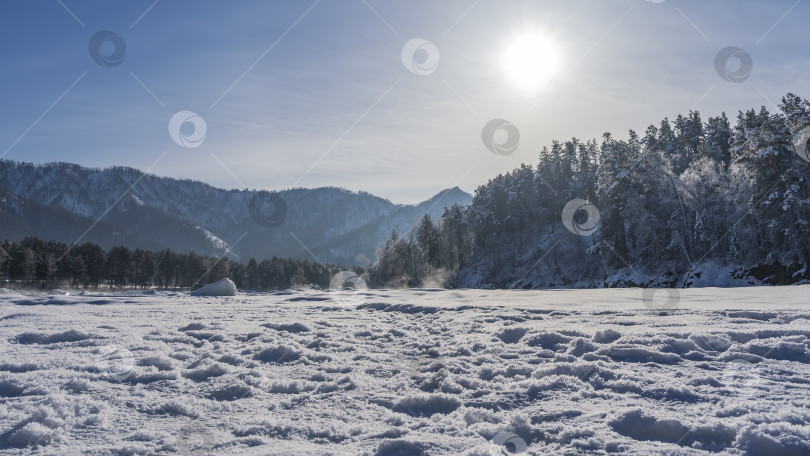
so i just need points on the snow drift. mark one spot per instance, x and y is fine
(430, 372)
(223, 287)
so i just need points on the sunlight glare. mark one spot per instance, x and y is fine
(531, 61)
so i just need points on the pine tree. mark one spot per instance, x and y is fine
(456, 237)
(22, 264)
(78, 271)
(690, 133)
(119, 266)
(613, 186)
(167, 265)
(5, 258)
(763, 143)
(428, 237)
(252, 275)
(94, 259)
(797, 210)
(718, 135)
(670, 145)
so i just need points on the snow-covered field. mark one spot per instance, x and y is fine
(407, 372)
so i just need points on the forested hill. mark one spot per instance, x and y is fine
(685, 202)
(126, 207)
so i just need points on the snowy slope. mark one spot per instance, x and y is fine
(407, 372)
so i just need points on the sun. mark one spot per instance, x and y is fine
(530, 61)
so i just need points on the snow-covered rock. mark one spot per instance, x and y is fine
(223, 287)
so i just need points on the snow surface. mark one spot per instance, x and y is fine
(223, 287)
(425, 371)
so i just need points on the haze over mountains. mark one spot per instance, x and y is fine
(124, 206)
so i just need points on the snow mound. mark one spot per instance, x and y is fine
(606, 336)
(193, 327)
(710, 274)
(294, 328)
(224, 287)
(32, 434)
(399, 448)
(204, 373)
(512, 335)
(278, 355)
(637, 425)
(427, 405)
(72, 335)
(58, 292)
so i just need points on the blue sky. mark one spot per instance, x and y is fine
(305, 93)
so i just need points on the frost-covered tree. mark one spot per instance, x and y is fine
(671, 147)
(690, 133)
(613, 186)
(457, 238)
(683, 194)
(430, 243)
(763, 143)
(718, 135)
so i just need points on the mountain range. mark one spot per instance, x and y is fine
(124, 206)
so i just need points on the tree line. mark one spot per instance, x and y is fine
(682, 194)
(685, 194)
(34, 263)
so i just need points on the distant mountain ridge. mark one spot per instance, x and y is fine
(124, 206)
